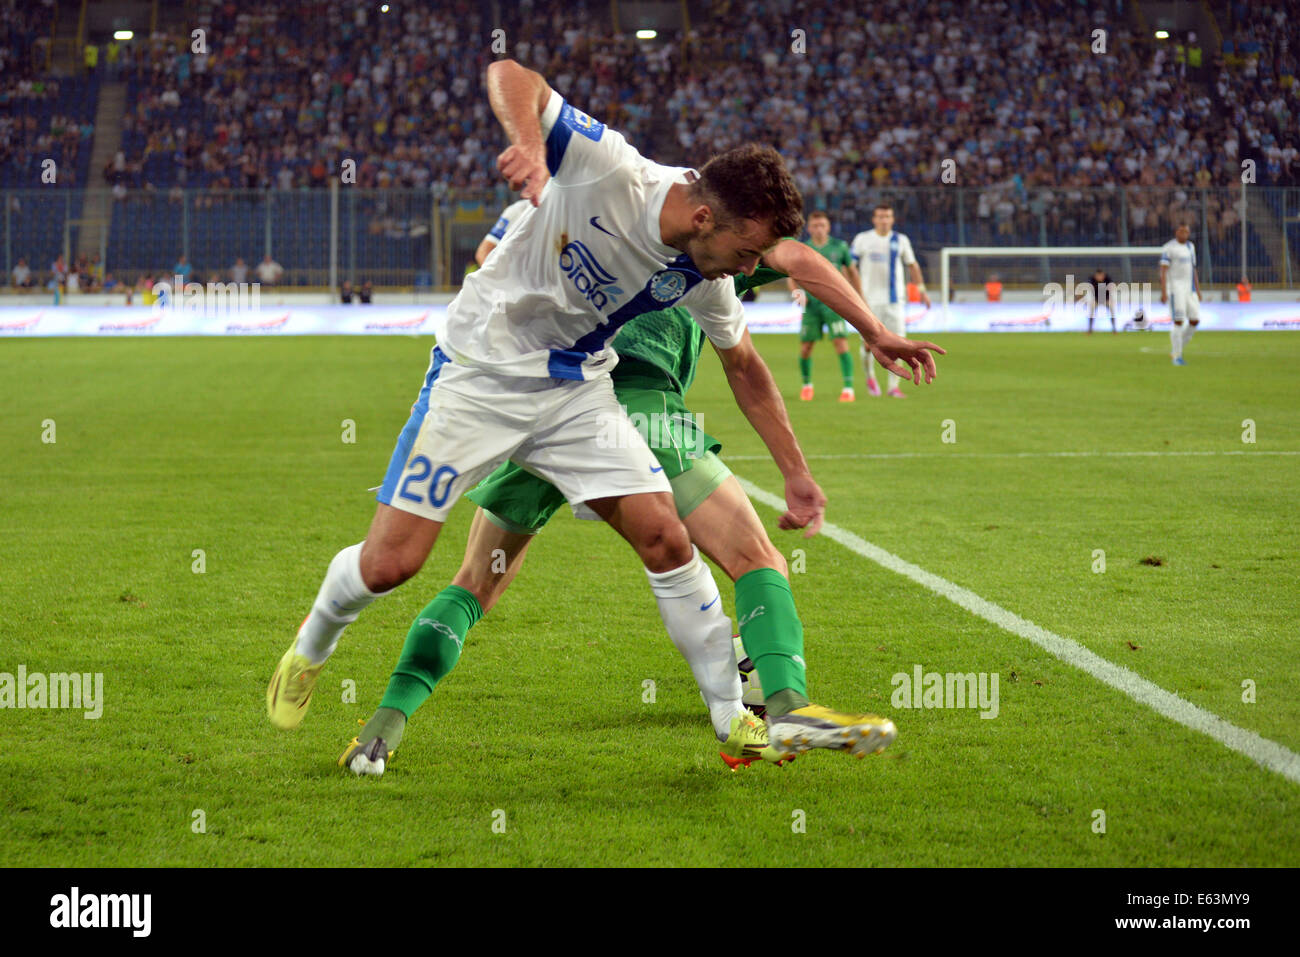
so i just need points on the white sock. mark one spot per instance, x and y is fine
(1188, 331)
(691, 608)
(893, 382)
(1176, 339)
(868, 361)
(338, 603)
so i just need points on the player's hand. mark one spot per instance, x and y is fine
(925, 298)
(906, 358)
(524, 168)
(806, 505)
(1164, 296)
(800, 298)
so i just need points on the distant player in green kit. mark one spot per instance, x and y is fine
(817, 316)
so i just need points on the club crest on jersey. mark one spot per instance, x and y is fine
(589, 277)
(667, 285)
(580, 122)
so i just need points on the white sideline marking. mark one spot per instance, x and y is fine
(1008, 455)
(1268, 754)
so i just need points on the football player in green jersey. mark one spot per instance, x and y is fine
(659, 353)
(819, 317)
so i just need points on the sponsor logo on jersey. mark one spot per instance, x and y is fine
(588, 276)
(667, 285)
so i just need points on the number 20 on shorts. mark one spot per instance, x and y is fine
(418, 470)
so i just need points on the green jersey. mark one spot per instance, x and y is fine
(661, 350)
(836, 252)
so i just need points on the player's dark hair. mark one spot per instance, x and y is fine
(819, 213)
(879, 206)
(750, 182)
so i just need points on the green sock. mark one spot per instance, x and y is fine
(772, 635)
(805, 369)
(846, 369)
(386, 723)
(432, 649)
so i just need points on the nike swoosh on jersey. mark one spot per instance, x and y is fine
(601, 228)
(653, 470)
(712, 603)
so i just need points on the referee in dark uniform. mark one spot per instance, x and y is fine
(1103, 291)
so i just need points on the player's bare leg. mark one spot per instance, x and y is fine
(728, 530)
(493, 557)
(395, 547)
(649, 523)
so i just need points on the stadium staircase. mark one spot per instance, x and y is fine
(66, 47)
(97, 209)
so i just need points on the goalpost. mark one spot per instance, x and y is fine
(1116, 259)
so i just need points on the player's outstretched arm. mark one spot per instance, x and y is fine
(758, 397)
(915, 272)
(484, 248)
(518, 97)
(903, 357)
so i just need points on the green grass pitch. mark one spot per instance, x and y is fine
(235, 447)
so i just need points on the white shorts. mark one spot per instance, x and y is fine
(1184, 304)
(572, 433)
(892, 315)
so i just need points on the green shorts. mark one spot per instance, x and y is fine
(521, 502)
(816, 316)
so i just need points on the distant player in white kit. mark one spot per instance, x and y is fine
(1180, 287)
(510, 215)
(881, 253)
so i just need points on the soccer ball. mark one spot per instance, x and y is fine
(751, 692)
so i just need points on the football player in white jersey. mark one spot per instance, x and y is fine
(1180, 287)
(881, 253)
(510, 215)
(521, 369)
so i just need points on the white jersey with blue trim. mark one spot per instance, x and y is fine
(586, 260)
(1181, 260)
(880, 262)
(509, 216)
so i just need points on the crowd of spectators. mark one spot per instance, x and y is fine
(286, 92)
(1035, 104)
(1013, 92)
(32, 127)
(1258, 87)
(83, 274)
